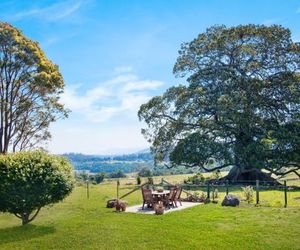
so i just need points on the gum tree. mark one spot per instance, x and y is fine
(30, 85)
(240, 107)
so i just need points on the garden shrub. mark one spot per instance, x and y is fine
(117, 174)
(138, 180)
(196, 179)
(145, 172)
(248, 193)
(32, 180)
(97, 178)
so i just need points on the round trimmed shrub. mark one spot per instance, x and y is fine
(32, 180)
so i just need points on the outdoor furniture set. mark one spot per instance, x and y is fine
(161, 198)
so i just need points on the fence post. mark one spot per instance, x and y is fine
(257, 192)
(118, 184)
(285, 194)
(208, 190)
(87, 189)
(227, 191)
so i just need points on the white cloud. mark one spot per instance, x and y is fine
(122, 79)
(121, 95)
(142, 85)
(54, 12)
(104, 118)
(76, 102)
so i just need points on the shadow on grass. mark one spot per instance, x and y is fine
(23, 233)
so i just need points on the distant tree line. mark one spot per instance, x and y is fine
(147, 156)
(127, 163)
(97, 178)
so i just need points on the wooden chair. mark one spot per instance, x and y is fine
(177, 195)
(147, 198)
(168, 200)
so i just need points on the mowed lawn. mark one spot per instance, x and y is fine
(81, 223)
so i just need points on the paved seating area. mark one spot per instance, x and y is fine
(138, 208)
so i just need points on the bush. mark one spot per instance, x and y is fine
(138, 180)
(32, 180)
(215, 193)
(81, 177)
(145, 172)
(248, 193)
(150, 180)
(216, 175)
(196, 197)
(117, 174)
(97, 178)
(196, 179)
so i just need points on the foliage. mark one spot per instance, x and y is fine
(128, 163)
(117, 174)
(216, 175)
(82, 158)
(109, 164)
(138, 180)
(81, 177)
(30, 86)
(32, 180)
(248, 193)
(145, 172)
(215, 193)
(97, 178)
(197, 197)
(150, 180)
(196, 179)
(241, 106)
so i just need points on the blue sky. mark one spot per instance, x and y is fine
(115, 55)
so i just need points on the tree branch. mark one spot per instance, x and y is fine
(36, 213)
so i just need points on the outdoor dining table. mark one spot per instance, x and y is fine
(160, 195)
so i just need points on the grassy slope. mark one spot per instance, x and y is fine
(78, 223)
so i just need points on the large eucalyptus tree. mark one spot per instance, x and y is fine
(240, 107)
(30, 85)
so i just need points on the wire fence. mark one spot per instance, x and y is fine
(283, 193)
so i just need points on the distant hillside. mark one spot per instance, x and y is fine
(128, 163)
(111, 163)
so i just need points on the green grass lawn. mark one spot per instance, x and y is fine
(79, 223)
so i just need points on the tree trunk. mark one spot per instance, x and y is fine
(25, 218)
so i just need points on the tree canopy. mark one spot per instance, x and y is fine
(32, 180)
(145, 172)
(30, 86)
(240, 106)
